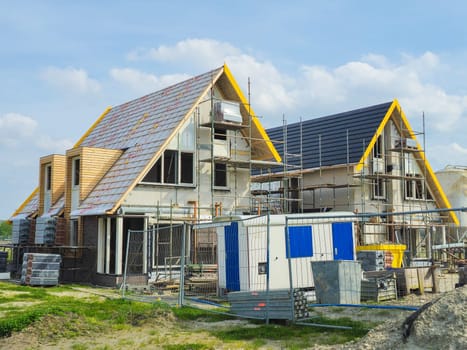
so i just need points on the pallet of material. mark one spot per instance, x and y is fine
(20, 231)
(374, 260)
(3, 261)
(378, 286)
(424, 278)
(201, 284)
(413, 278)
(275, 304)
(41, 269)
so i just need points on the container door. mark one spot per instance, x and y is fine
(342, 241)
(232, 267)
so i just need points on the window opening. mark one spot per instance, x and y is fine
(172, 160)
(186, 171)
(48, 177)
(409, 188)
(220, 175)
(155, 174)
(379, 188)
(76, 166)
(418, 189)
(170, 166)
(74, 233)
(220, 134)
(378, 148)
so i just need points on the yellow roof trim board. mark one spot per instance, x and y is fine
(21, 207)
(380, 129)
(163, 146)
(254, 119)
(444, 202)
(86, 134)
(431, 175)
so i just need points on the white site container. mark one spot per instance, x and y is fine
(242, 253)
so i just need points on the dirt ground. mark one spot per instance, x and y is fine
(150, 335)
(441, 325)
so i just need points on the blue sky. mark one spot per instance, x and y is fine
(63, 62)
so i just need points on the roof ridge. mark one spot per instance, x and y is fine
(340, 114)
(171, 87)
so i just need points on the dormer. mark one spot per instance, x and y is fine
(85, 167)
(51, 181)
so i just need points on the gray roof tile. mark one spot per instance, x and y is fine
(324, 140)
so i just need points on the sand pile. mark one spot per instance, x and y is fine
(440, 324)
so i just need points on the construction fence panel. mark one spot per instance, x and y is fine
(282, 266)
(321, 257)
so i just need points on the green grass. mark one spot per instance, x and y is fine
(95, 313)
(70, 317)
(297, 336)
(193, 314)
(194, 346)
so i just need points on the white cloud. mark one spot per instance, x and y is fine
(14, 128)
(21, 133)
(144, 82)
(50, 145)
(361, 83)
(203, 52)
(269, 87)
(315, 89)
(72, 79)
(442, 154)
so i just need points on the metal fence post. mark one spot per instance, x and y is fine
(125, 271)
(289, 261)
(267, 265)
(182, 268)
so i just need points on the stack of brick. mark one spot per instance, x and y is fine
(372, 260)
(40, 269)
(45, 230)
(3, 261)
(20, 231)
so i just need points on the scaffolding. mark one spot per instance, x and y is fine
(393, 179)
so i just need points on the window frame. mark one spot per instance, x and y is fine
(378, 147)
(414, 187)
(159, 170)
(378, 186)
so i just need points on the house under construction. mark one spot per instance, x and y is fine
(182, 154)
(366, 161)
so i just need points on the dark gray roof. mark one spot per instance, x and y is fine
(324, 140)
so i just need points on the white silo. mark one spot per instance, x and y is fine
(453, 179)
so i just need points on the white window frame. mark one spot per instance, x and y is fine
(378, 186)
(411, 182)
(378, 147)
